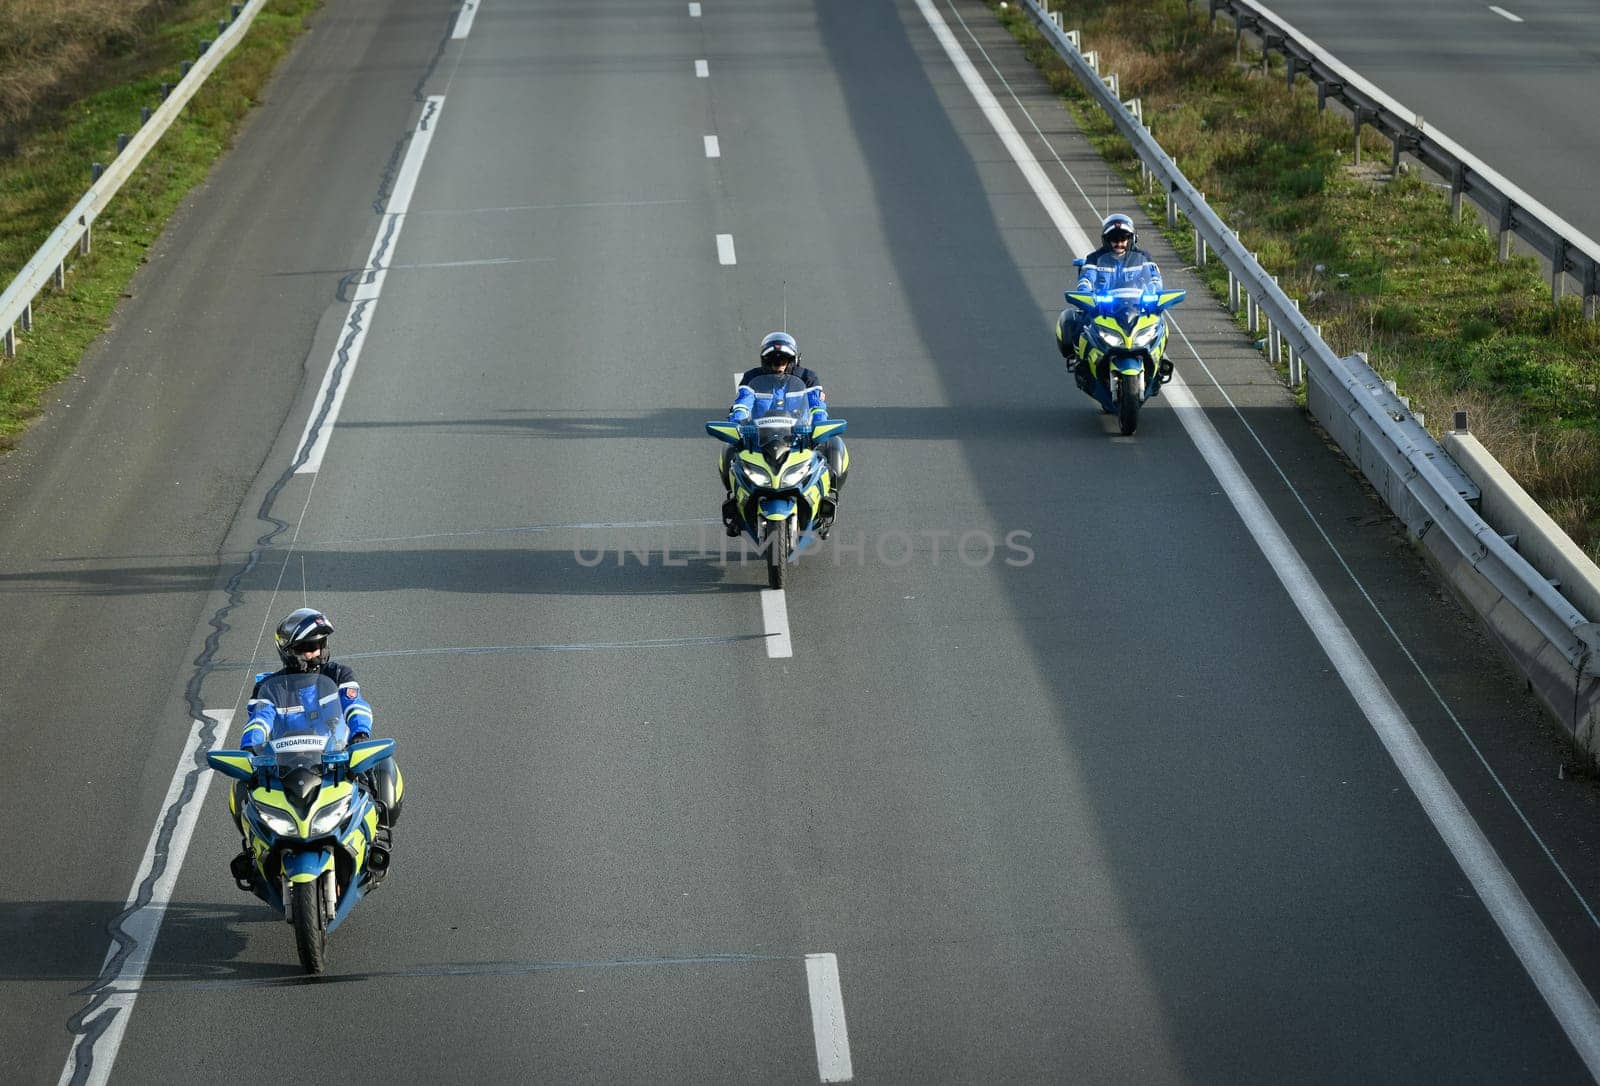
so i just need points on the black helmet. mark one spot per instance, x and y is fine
(778, 348)
(1118, 224)
(304, 629)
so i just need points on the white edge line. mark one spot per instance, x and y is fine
(359, 321)
(725, 249)
(145, 923)
(469, 11)
(1504, 14)
(1077, 241)
(702, 69)
(827, 1018)
(713, 147)
(1564, 992)
(775, 620)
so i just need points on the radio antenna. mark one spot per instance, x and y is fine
(786, 305)
(303, 602)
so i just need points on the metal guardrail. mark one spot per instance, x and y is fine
(1417, 479)
(1567, 248)
(48, 265)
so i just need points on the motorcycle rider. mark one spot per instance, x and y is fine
(1119, 252)
(780, 354)
(302, 641)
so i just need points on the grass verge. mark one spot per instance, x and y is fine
(50, 172)
(1373, 257)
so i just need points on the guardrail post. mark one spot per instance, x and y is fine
(205, 43)
(1590, 289)
(1458, 186)
(234, 10)
(144, 115)
(1289, 62)
(122, 142)
(1199, 242)
(27, 317)
(222, 27)
(1233, 292)
(10, 343)
(166, 89)
(1506, 210)
(1172, 210)
(58, 278)
(1360, 115)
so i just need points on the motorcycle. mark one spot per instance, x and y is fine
(1121, 340)
(317, 837)
(776, 472)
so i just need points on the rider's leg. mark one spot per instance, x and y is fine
(730, 508)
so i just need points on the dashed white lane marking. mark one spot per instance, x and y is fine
(143, 924)
(319, 426)
(725, 249)
(469, 11)
(827, 1018)
(1563, 991)
(775, 618)
(1504, 14)
(713, 148)
(694, 11)
(702, 69)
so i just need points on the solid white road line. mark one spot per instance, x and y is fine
(1571, 1002)
(1077, 241)
(143, 923)
(469, 11)
(1504, 14)
(702, 69)
(694, 11)
(775, 620)
(713, 148)
(725, 249)
(827, 1018)
(364, 303)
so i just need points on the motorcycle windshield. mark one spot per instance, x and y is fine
(309, 719)
(1122, 292)
(782, 402)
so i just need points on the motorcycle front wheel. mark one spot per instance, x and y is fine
(310, 928)
(1128, 402)
(777, 546)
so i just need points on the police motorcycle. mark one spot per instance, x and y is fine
(1121, 339)
(776, 472)
(317, 835)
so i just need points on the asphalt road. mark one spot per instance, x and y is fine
(1093, 804)
(1517, 92)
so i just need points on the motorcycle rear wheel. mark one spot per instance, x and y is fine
(310, 928)
(1128, 402)
(777, 545)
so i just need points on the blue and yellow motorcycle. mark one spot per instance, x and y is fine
(1121, 340)
(776, 472)
(316, 835)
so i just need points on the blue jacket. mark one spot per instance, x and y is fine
(357, 713)
(747, 402)
(1103, 263)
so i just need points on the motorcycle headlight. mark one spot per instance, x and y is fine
(278, 822)
(795, 474)
(1112, 339)
(328, 819)
(1146, 336)
(755, 475)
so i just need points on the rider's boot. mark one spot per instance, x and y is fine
(827, 511)
(730, 518)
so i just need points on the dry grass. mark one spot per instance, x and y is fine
(51, 51)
